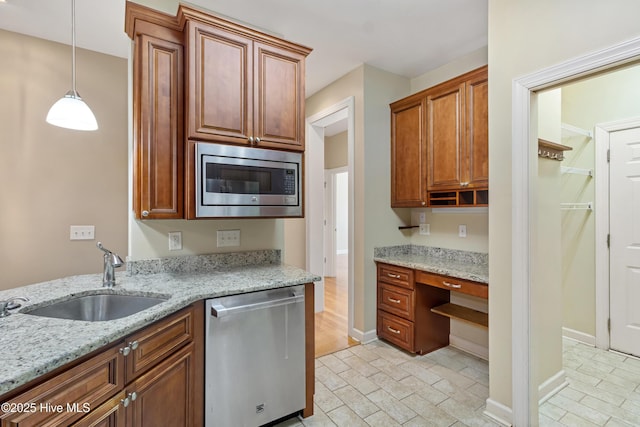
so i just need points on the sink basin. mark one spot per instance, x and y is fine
(96, 308)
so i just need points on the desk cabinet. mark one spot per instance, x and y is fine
(414, 308)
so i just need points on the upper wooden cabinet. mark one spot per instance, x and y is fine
(408, 153)
(200, 77)
(457, 141)
(439, 144)
(244, 87)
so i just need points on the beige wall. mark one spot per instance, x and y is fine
(53, 177)
(525, 37)
(335, 151)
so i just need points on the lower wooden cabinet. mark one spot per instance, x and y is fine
(153, 377)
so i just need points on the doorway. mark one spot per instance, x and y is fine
(334, 326)
(525, 390)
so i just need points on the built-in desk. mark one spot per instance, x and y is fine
(414, 306)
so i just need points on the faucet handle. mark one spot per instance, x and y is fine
(10, 304)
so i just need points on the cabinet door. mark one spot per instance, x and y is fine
(278, 97)
(158, 127)
(408, 154)
(166, 395)
(220, 84)
(445, 136)
(477, 139)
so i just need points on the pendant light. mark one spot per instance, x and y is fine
(70, 111)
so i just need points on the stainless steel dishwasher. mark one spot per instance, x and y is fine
(255, 357)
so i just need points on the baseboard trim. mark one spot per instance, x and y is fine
(469, 347)
(499, 413)
(579, 336)
(552, 385)
(364, 337)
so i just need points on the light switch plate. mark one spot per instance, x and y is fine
(82, 232)
(425, 229)
(227, 238)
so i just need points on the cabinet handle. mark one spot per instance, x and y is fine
(464, 184)
(452, 285)
(397, 301)
(393, 276)
(145, 213)
(395, 331)
(126, 401)
(133, 345)
(125, 351)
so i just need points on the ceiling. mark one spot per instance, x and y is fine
(405, 37)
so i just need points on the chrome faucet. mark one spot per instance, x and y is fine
(111, 262)
(10, 304)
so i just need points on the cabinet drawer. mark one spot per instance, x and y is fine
(396, 330)
(158, 341)
(398, 276)
(395, 300)
(62, 399)
(453, 284)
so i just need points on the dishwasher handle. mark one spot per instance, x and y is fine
(219, 310)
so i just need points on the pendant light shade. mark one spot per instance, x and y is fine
(71, 111)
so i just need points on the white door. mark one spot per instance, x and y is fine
(625, 240)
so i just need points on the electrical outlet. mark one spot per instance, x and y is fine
(228, 238)
(462, 230)
(175, 240)
(425, 229)
(82, 232)
(423, 218)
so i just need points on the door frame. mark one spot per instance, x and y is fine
(524, 199)
(314, 177)
(602, 226)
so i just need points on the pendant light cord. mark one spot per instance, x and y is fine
(73, 47)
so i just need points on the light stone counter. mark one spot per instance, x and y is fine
(36, 345)
(454, 263)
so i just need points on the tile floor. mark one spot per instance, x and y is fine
(378, 385)
(603, 390)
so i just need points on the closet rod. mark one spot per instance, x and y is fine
(577, 171)
(576, 206)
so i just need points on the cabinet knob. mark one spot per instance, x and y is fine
(145, 213)
(125, 402)
(125, 351)
(133, 396)
(424, 203)
(257, 140)
(251, 139)
(133, 345)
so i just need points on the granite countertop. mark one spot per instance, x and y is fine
(36, 345)
(454, 263)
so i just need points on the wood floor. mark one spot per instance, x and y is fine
(332, 323)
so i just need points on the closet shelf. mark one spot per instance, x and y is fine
(570, 130)
(577, 171)
(588, 206)
(552, 150)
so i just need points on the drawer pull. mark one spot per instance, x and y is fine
(396, 301)
(395, 331)
(452, 285)
(393, 276)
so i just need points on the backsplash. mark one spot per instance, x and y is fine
(429, 251)
(203, 263)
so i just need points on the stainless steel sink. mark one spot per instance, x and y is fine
(96, 308)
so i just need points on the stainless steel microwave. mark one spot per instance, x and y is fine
(233, 181)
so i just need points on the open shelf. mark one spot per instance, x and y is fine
(455, 198)
(465, 314)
